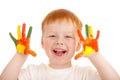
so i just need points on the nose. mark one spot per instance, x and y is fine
(59, 41)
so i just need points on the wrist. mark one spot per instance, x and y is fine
(93, 55)
(22, 55)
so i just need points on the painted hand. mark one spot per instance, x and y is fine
(23, 43)
(90, 45)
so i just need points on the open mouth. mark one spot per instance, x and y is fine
(59, 52)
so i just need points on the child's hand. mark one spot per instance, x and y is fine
(90, 45)
(23, 43)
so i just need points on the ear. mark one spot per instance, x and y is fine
(42, 42)
(78, 46)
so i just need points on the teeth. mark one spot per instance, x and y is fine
(59, 51)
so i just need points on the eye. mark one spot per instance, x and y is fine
(51, 36)
(67, 36)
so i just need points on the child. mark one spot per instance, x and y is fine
(60, 41)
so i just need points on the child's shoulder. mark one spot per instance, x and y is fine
(35, 66)
(87, 71)
(83, 68)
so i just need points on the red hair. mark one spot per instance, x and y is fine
(61, 14)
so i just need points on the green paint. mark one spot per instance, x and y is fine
(29, 32)
(14, 40)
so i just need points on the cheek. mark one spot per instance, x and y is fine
(47, 44)
(71, 48)
(71, 44)
(44, 42)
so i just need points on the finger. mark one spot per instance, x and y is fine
(87, 31)
(80, 35)
(18, 32)
(23, 30)
(14, 40)
(78, 55)
(98, 34)
(29, 32)
(91, 31)
(30, 52)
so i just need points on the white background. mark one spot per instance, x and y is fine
(103, 15)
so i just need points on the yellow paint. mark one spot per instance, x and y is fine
(20, 48)
(88, 51)
(91, 31)
(18, 32)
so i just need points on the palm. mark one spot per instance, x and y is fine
(89, 44)
(22, 43)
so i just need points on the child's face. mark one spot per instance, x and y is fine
(60, 42)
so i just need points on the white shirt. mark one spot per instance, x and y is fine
(44, 72)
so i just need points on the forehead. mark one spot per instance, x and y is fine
(60, 26)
